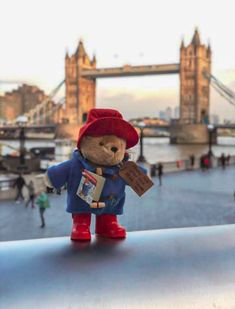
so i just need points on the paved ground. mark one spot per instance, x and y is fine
(186, 199)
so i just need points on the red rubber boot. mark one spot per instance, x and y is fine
(107, 226)
(81, 227)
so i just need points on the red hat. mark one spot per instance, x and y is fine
(108, 122)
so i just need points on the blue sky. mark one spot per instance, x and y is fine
(36, 34)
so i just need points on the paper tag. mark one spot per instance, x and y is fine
(135, 178)
(87, 187)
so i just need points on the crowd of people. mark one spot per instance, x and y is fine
(206, 160)
(205, 163)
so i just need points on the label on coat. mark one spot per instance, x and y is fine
(86, 187)
(99, 186)
(90, 187)
(135, 178)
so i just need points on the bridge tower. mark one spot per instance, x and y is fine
(80, 91)
(194, 88)
(194, 94)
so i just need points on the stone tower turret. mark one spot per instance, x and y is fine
(80, 91)
(194, 87)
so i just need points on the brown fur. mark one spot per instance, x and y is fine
(98, 149)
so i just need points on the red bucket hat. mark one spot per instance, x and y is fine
(108, 122)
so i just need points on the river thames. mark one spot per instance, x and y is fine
(155, 149)
(159, 149)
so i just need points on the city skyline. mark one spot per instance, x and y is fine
(41, 34)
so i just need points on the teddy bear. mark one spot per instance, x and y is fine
(101, 151)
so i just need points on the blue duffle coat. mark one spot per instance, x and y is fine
(70, 173)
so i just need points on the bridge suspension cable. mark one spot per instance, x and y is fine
(44, 102)
(223, 90)
(51, 95)
(39, 118)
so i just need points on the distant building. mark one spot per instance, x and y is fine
(162, 115)
(147, 121)
(168, 113)
(177, 112)
(227, 121)
(21, 101)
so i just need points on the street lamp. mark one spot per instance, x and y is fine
(141, 156)
(21, 122)
(210, 128)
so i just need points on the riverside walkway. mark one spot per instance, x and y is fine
(186, 199)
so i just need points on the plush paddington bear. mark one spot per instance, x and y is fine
(101, 150)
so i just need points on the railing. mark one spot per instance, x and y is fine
(6, 184)
(132, 70)
(189, 268)
(7, 191)
(185, 165)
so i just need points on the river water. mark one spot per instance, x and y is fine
(159, 149)
(155, 149)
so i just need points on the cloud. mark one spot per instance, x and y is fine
(138, 104)
(143, 103)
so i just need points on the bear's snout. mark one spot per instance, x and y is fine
(114, 149)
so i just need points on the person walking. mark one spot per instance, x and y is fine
(153, 169)
(43, 203)
(31, 190)
(19, 184)
(192, 161)
(202, 166)
(206, 161)
(160, 172)
(223, 160)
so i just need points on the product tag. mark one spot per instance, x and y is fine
(135, 178)
(90, 187)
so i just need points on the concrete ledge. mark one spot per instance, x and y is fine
(177, 268)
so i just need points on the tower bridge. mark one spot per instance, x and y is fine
(81, 73)
(128, 70)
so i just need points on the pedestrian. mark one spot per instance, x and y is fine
(31, 190)
(153, 169)
(192, 161)
(160, 172)
(19, 184)
(206, 162)
(223, 160)
(228, 159)
(234, 195)
(43, 203)
(203, 162)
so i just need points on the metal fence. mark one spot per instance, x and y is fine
(7, 191)
(185, 165)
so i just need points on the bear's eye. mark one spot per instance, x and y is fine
(101, 144)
